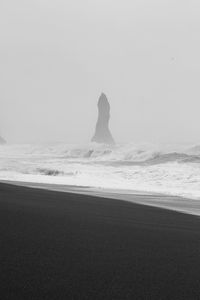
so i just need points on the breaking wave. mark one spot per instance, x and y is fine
(134, 155)
(169, 169)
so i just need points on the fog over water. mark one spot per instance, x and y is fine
(57, 57)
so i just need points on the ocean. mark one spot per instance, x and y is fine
(166, 169)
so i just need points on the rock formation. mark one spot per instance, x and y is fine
(102, 133)
(2, 141)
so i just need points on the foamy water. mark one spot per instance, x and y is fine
(170, 169)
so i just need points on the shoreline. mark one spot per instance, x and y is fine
(168, 202)
(62, 245)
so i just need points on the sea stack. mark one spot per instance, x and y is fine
(2, 141)
(102, 134)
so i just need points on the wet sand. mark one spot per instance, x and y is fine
(169, 202)
(59, 245)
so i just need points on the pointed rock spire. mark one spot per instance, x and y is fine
(102, 133)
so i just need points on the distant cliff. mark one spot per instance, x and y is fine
(102, 133)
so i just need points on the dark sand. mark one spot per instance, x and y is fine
(56, 245)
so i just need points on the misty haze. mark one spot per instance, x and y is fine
(57, 57)
(99, 149)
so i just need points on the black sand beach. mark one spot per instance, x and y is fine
(56, 245)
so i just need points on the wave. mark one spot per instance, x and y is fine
(131, 155)
(126, 155)
(170, 169)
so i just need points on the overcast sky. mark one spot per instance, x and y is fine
(57, 56)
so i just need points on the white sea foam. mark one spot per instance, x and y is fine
(168, 169)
